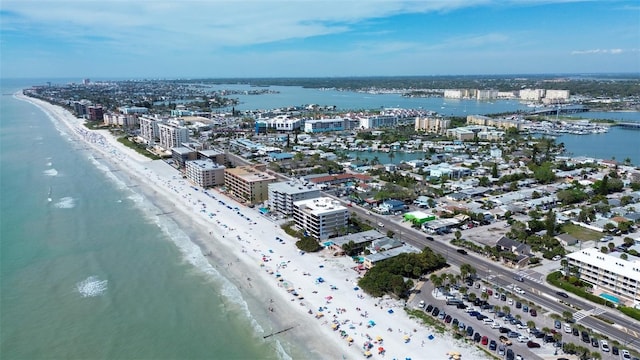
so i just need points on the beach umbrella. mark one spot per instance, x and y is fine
(372, 323)
(367, 353)
(334, 326)
(349, 339)
(380, 349)
(406, 338)
(378, 338)
(329, 297)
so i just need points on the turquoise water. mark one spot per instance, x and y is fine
(94, 273)
(610, 298)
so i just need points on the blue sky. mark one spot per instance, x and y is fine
(268, 38)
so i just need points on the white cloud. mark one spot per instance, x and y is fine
(603, 51)
(217, 22)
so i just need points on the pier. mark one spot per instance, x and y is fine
(629, 125)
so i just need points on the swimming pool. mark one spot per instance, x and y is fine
(611, 298)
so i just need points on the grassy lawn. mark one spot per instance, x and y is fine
(581, 233)
(139, 148)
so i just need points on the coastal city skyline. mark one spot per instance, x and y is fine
(295, 39)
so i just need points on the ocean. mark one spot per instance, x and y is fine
(95, 273)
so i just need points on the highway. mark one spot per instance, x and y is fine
(626, 330)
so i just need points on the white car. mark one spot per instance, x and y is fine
(522, 326)
(380, 224)
(567, 328)
(518, 290)
(510, 301)
(604, 345)
(421, 304)
(625, 354)
(523, 338)
(495, 325)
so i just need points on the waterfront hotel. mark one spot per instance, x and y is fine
(612, 278)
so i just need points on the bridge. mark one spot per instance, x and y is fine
(560, 110)
(629, 125)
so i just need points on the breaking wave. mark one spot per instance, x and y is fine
(66, 202)
(51, 172)
(92, 286)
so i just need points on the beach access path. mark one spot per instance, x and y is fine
(313, 297)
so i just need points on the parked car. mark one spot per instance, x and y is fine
(557, 324)
(447, 319)
(525, 308)
(523, 338)
(504, 330)
(510, 355)
(429, 308)
(501, 349)
(594, 342)
(505, 340)
(484, 340)
(615, 350)
(495, 325)
(625, 354)
(604, 345)
(493, 345)
(585, 337)
(548, 338)
(567, 328)
(533, 312)
(454, 323)
(575, 331)
(532, 344)
(435, 311)
(469, 331)
(518, 305)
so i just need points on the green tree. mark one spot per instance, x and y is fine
(494, 170)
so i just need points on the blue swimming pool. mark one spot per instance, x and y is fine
(611, 298)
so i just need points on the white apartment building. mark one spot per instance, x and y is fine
(205, 173)
(324, 125)
(436, 125)
(378, 121)
(609, 275)
(557, 95)
(281, 123)
(282, 195)
(320, 217)
(531, 94)
(148, 129)
(486, 94)
(133, 110)
(453, 93)
(171, 135)
(122, 120)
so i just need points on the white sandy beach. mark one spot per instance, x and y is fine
(316, 294)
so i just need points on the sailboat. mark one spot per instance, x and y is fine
(49, 196)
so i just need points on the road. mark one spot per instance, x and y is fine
(626, 330)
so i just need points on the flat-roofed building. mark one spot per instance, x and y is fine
(148, 129)
(218, 157)
(531, 94)
(333, 124)
(171, 135)
(612, 277)
(432, 124)
(248, 183)
(205, 173)
(282, 195)
(320, 217)
(181, 154)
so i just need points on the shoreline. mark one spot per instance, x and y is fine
(266, 272)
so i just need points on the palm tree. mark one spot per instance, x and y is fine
(506, 309)
(484, 296)
(531, 324)
(436, 281)
(546, 330)
(567, 315)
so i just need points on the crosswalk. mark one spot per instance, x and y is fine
(579, 315)
(531, 276)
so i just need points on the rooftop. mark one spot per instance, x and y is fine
(613, 264)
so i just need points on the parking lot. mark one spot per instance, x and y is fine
(500, 324)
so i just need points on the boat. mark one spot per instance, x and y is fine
(49, 199)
